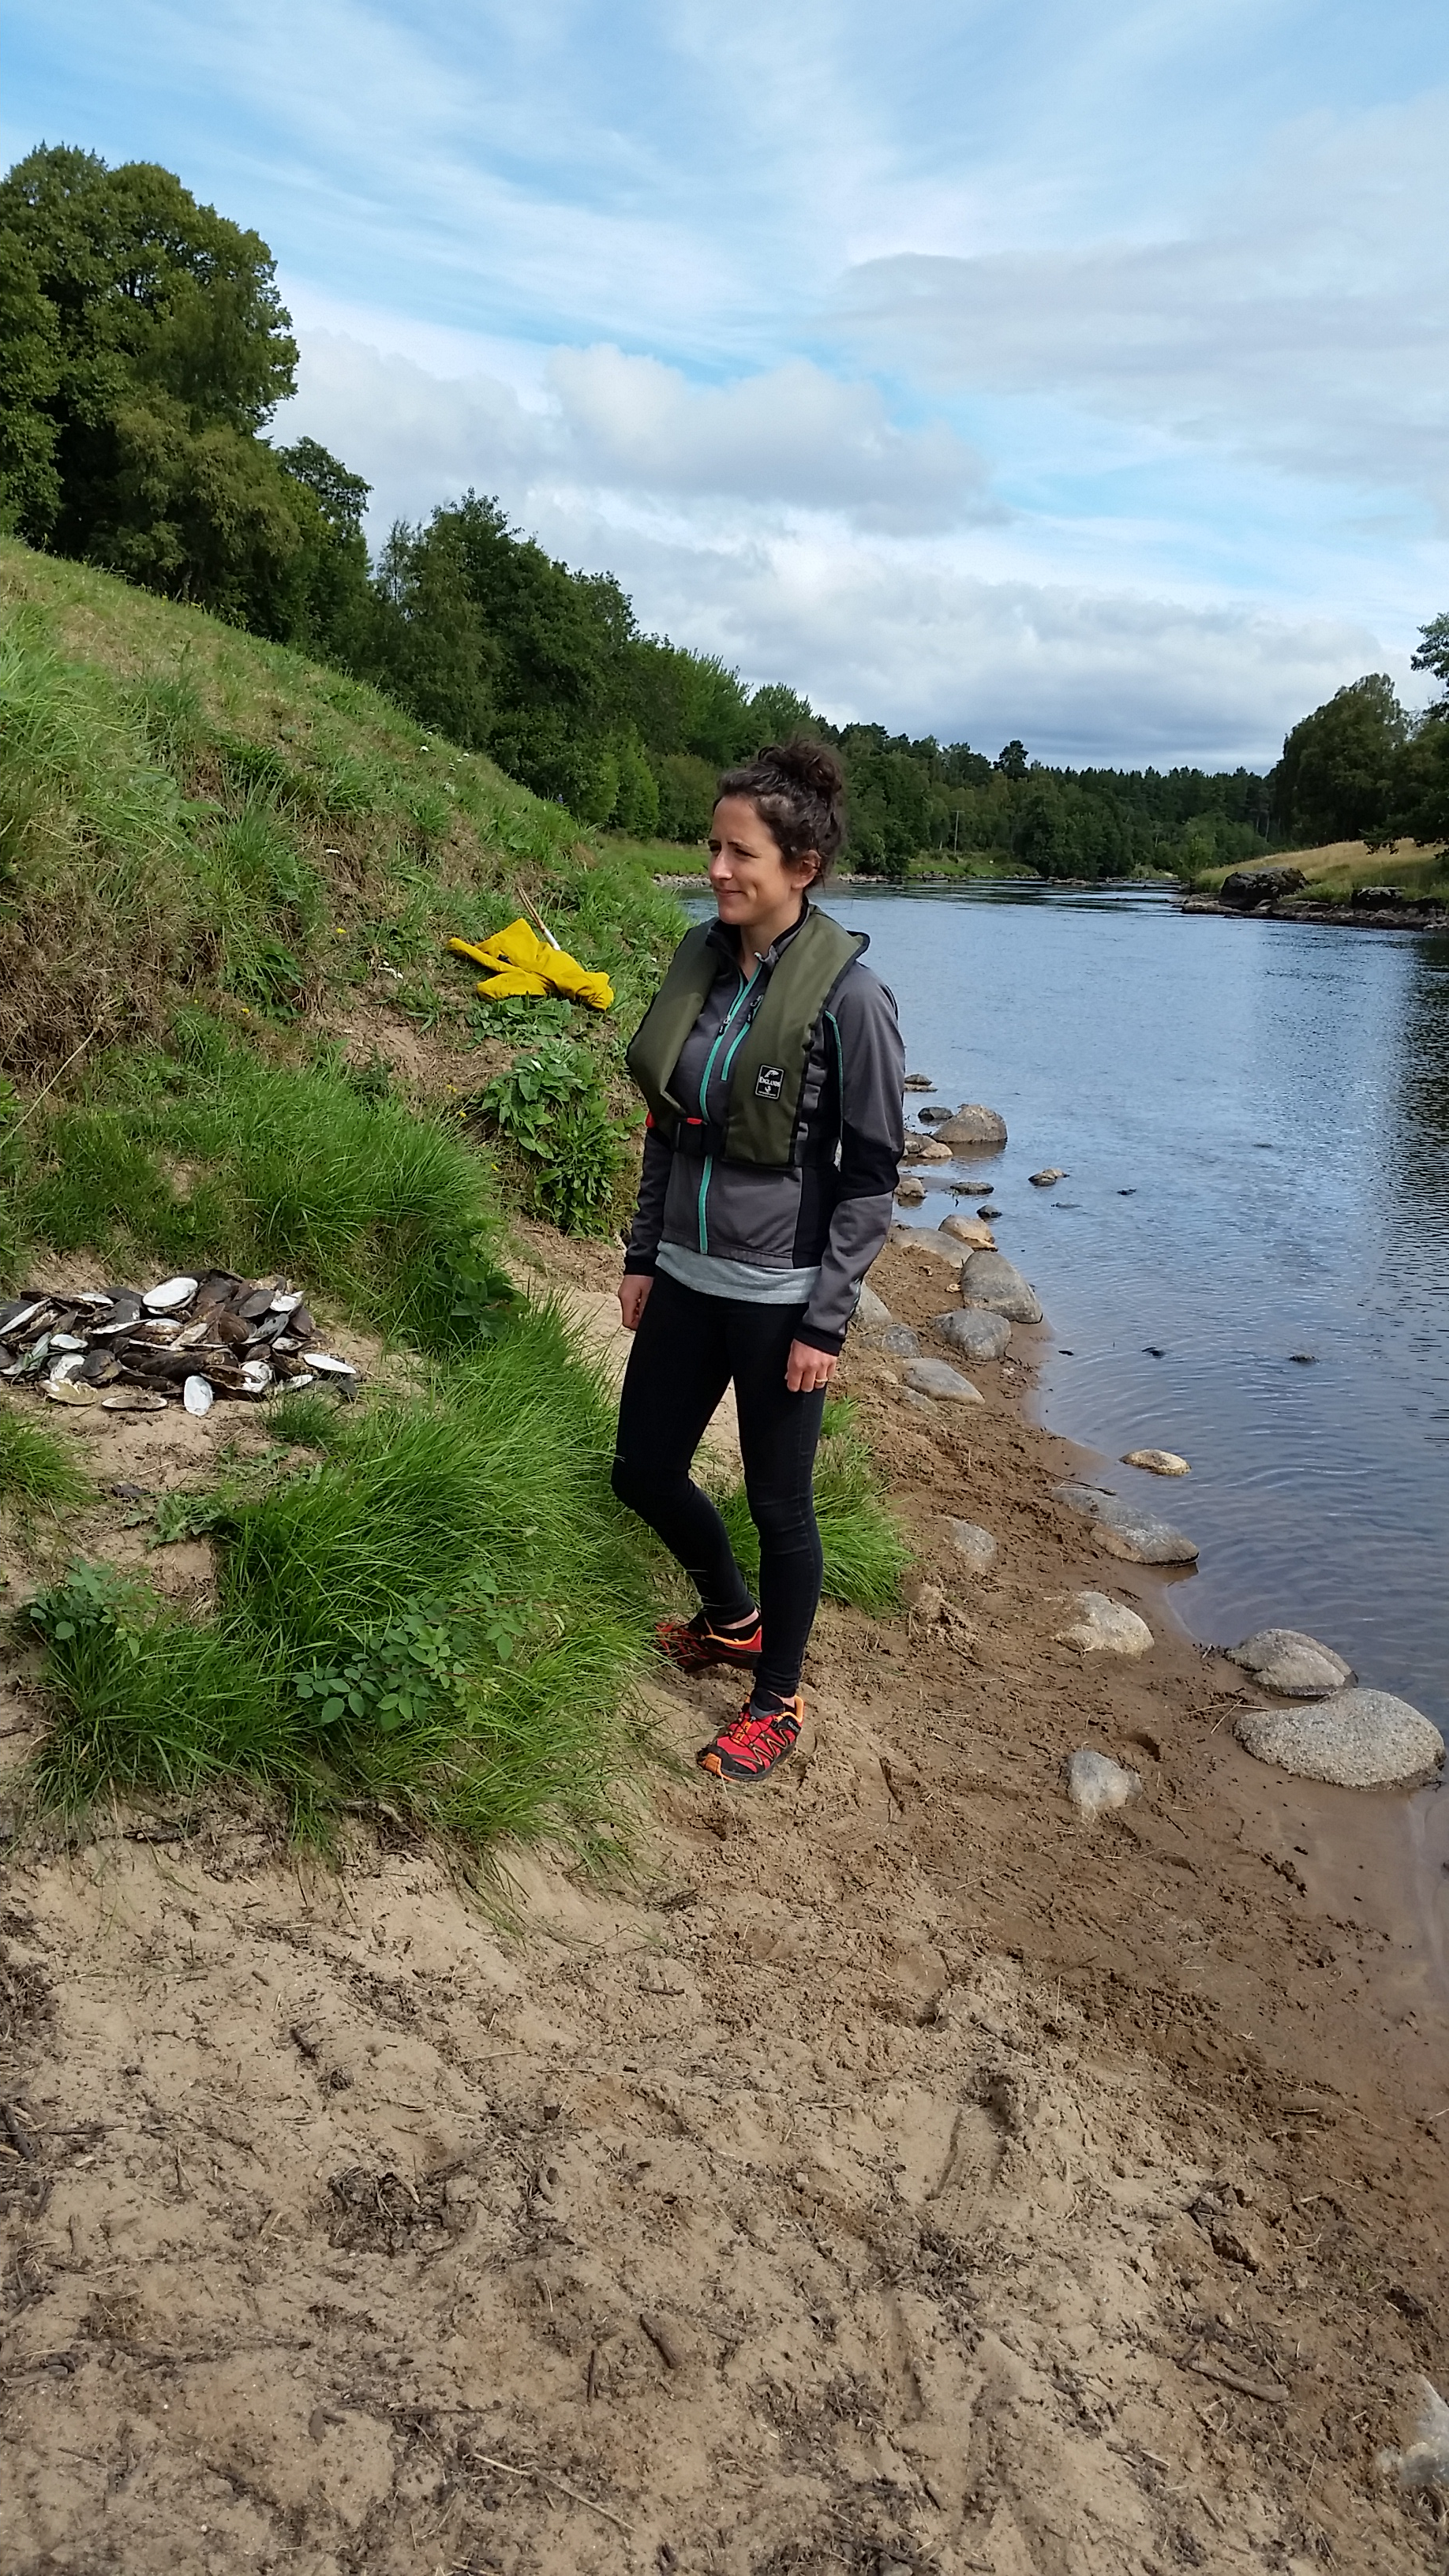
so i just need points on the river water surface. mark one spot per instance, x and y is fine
(1253, 1118)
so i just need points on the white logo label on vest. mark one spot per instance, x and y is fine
(769, 1082)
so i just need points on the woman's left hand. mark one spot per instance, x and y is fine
(807, 1369)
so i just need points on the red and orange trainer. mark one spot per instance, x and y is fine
(692, 1645)
(753, 1746)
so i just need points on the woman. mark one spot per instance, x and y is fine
(771, 1061)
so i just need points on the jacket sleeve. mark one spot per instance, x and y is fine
(872, 1066)
(644, 1233)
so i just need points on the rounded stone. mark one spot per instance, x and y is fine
(909, 1191)
(974, 1124)
(900, 1342)
(935, 1377)
(989, 1279)
(872, 1314)
(974, 1543)
(1158, 1462)
(1358, 1739)
(1096, 1784)
(1298, 1667)
(973, 1231)
(1125, 1530)
(913, 1238)
(919, 1082)
(1043, 1180)
(975, 1332)
(1104, 1626)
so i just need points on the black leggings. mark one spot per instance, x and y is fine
(686, 1350)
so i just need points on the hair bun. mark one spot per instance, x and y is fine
(811, 765)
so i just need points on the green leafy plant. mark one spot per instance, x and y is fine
(93, 1607)
(412, 1669)
(523, 1102)
(550, 1106)
(180, 1516)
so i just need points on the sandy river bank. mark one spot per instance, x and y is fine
(901, 2174)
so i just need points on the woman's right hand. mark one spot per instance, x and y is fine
(634, 1290)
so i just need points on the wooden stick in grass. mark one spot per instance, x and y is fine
(537, 919)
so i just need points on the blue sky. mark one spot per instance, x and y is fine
(985, 369)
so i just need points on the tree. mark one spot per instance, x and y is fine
(426, 641)
(777, 712)
(1011, 760)
(146, 347)
(1337, 777)
(29, 377)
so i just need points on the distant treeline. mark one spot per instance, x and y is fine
(144, 348)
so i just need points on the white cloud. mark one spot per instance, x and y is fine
(793, 439)
(1304, 324)
(786, 522)
(912, 637)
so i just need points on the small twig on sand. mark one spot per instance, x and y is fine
(546, 2478)
(1270, 2391)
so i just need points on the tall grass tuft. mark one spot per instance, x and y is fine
(864, 1546)
(207, 1152)
(446, 1609)
(36, 1467)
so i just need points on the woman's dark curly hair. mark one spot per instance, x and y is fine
(798, 789)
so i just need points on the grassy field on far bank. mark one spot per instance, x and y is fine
(1334, 870)
(231, 1035)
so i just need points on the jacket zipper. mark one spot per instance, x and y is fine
(745, 984)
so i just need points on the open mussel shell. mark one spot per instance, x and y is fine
(133, 1401)
(327, 1366)
(168, 1296)
(20, 1314)
(197, 1396)
(69, 1390)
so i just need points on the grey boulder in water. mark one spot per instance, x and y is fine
(1298, 1667)
(1358, 1739)
(973, 1124)
(989, 1279)
(1125, 1530)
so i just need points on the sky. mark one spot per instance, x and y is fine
(978, 368)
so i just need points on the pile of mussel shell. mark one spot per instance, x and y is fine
(186, 1341)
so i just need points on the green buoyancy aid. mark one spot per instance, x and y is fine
(768, 1074)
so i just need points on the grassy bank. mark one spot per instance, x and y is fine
(1334, 871)
(231, 1034)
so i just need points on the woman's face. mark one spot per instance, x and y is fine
(753, 881)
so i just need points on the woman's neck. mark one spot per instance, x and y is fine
(760, 937)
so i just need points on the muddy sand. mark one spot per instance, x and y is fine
(899, 2174)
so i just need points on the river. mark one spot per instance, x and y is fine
(1253, 1119)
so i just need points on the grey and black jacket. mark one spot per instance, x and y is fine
(804, 1235)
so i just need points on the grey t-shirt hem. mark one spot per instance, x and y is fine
(748, 1281)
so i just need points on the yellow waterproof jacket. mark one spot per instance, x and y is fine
(518, 961)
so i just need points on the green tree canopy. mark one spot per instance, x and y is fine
(1337, 777)
(154, 350)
